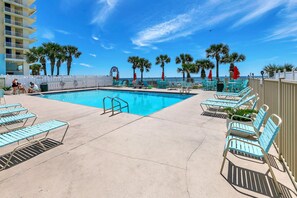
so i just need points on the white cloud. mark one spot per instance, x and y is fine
(47, 34)
(126, 52)
(260, 8)
(62, 31)
(105, 8)
(94, 55)
(85, 65)
(107, 47)
(213, 12)
(96, 38)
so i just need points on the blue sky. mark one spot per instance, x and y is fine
(107, 32)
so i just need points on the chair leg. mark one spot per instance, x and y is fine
(272, 174)
(223, 163)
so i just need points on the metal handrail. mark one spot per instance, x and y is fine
(127, 104)
(104, 109)
(113, 106)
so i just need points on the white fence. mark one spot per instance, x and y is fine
(292, 75)
(62, 82)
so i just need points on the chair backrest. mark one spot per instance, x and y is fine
(260, 116)
(244, 90)
(248, 99)
(245, 95)
(270, 131)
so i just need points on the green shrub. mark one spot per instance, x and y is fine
(6, 88)
(241, 112)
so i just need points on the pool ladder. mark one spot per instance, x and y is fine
(116, 105)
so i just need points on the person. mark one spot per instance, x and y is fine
(33, 88)
(14, 86)
(21, 88)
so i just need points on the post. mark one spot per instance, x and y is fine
(293, 74)
(279, 111)
(285, 73)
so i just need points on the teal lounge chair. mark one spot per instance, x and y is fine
(5, 121)
(13, 111)
(10, 105)
(231, 95)
(231, 100)
(243, 129)
(28, 133)
(255, 148)
(250, 102)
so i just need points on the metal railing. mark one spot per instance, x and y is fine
(12, 56)
(18, 23)
(16, 45)
(118, 107)
(18, 12)
(18, 34)
(280, 95)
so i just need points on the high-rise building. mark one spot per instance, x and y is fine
(16, 20)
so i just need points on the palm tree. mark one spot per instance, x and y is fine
(270, 69)
(162, 60)
(37, 54)
(204, 64)
(186, 60)
(134, 60)
(288, 67)
(51, 53)
(232, 58)
(143, 64)
(70, 52)
(61, 57)
(36, 68)
(217, 51)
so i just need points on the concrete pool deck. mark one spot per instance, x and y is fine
(176, 152)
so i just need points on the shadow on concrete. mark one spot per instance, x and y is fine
(28, 153)
(256, 182)
(213, 114)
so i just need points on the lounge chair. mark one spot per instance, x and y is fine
(243, 129)
(185, 87)
(231, 100)
(10, 105)
(231, 95)
(27, 133)
(255, 148)
(145, 84)
(5, 121)
(249, 102)
(13, 111)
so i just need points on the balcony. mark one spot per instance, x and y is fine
(23, 4)
(15, 45)
(20, 24)
(17, 34)
(15, 57)
(19, 13)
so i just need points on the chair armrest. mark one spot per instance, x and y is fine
(239, 116)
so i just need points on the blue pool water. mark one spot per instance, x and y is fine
(140, 103)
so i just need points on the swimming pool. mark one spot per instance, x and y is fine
(140, 103)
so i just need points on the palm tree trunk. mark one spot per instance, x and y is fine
(141, 76)
(58, 71)
(44, 69)
(217, 69)
(68, 67)
(183, 76)
(188, 77)
(133, 73)
(52, 68)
